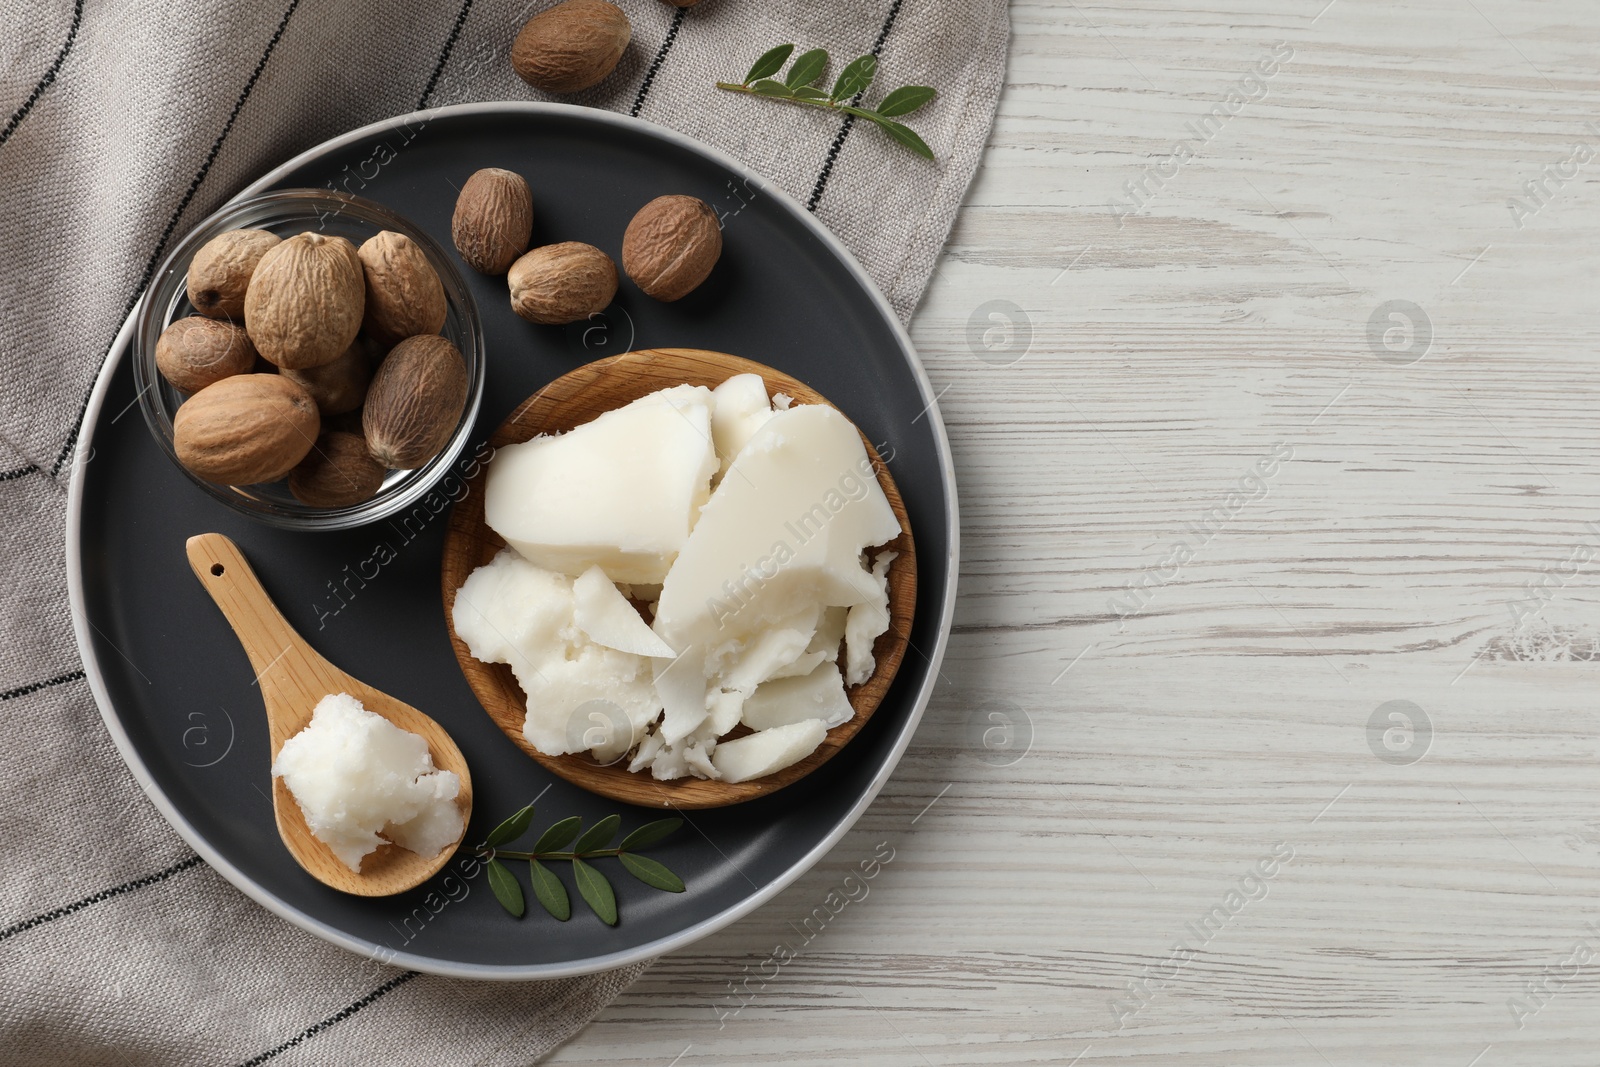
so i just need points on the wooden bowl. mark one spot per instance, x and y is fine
(577, 398)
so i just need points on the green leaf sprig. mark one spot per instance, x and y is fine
(799, 87)
(567, 841)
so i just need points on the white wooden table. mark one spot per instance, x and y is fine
(1064, 897)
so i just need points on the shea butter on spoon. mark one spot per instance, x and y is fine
(353, 767)
(361, 781)
(749, 534)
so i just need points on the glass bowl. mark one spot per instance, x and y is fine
(287, 212)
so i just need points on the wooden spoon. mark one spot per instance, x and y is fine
(576, 398)
(293, 679)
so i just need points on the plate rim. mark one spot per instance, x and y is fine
(591, 964)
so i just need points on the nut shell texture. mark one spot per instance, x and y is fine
(340, 386)
(493, 220)
(195, 352)
(571, 46)
(219, 273)
(671, 245)
(414, 402)
(306, 300)
(404, 296)
(562, 283)
(246, 429)
(337, 473)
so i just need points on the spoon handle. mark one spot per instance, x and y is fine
(283, 662)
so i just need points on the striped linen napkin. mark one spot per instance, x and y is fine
(123, 126)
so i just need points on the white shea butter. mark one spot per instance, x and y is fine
(726, 707)
(739, 408)
(830, 631)
(358, 779)
(620, 492)
(767, 751)
(865, 622)
(807, 662)
(691, 754)
(510, 611)
(604, 614)
(784, 531)
(768, 653)
(748, 523)
(818, 695)
(681, 685)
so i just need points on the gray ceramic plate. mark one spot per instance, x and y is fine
(173, 684)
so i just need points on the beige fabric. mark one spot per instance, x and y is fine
(121, 126)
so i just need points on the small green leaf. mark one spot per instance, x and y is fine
(651, 873)
(599, 835)
(768, 87)
(507, 890)
(549, 892)
(650, 833)
(809, 92)
(511, 829)
(906, 136)
(905, 100)
(770, 63)
(596, 891)
(559, 834)
(808, 68)
(855, 78)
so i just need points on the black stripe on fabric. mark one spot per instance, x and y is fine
(172, 223)
(24, 690)
(444, 53)
(49, 76)
(661, 57)
(11, 476)
(849, 120)
(104, 894)
(337, 1017)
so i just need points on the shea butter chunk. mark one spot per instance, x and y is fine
(358, 778)
(621, 492)
(767, 751)
(865, 622)
(511, 611)
(818, 695)
(784, 532)
(606, 617)
(739, 409)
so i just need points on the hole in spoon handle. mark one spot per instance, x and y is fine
(255, 619)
